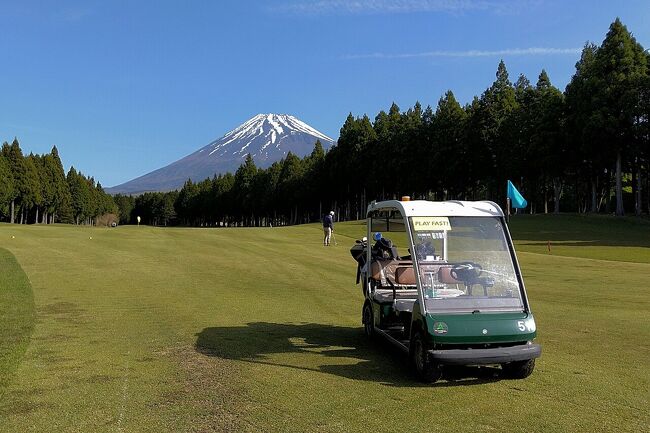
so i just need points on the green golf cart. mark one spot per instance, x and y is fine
(441, 281)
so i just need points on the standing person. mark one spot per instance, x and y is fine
(328, 227)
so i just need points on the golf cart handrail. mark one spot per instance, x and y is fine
(439, 208)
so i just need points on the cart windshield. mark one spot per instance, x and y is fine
(465, 264)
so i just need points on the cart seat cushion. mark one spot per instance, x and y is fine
(444, 276)
(405, 275)
(383, 270)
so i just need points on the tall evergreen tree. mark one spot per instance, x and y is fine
(548, 145)
(32, 194)
(244, 181)
(184, 205)
(14, 157)
(7, 191)
(80, 195)
(582, 126)
(497, 106)
(620, 65)
(289, 185)
(61, 206)
(125, 204)
(449, 166)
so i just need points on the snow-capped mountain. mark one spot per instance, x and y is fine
(267, 137)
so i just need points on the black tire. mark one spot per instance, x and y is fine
(518, 369)
(425, 370)
(368, 321)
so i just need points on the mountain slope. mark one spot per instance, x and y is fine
(267, 137)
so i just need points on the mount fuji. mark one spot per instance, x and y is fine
(267, 137)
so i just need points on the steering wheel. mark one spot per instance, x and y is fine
(466, 271)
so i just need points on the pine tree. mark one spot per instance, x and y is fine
(184, 205)
(620, 65)
(61, 205)
(582, 126)
(14, 157)
(244, 181)
(448, 164)
(32, 195)
(80, 195)
(6, 186)
(498, 103)
(125, 204)
(289, 184)
(548, 149)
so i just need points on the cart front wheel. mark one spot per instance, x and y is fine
(368, 321)
(424, 369)
(518, 369)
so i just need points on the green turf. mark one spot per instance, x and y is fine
(145, 329)
(597, 237)
(16, 316)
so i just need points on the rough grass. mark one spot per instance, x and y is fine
(144, 329)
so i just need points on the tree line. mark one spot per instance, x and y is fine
(582, 150)
(35, 189)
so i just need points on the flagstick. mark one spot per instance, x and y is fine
(508, 210)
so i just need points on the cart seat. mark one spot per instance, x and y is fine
(393, 272)
(445, 277)
(405, 275)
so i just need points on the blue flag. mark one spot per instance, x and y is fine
(517, 200)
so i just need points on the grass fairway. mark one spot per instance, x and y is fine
(16, 317)
(142, 329)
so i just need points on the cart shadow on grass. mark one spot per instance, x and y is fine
(337, 350)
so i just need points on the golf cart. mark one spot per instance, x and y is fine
(442, 282)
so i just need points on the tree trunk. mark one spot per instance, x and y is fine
(647, 185)
(619, 186)
(637, 196)
(594, 205)
(36, 219)
(557, 193)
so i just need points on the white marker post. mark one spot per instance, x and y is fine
(138, 218)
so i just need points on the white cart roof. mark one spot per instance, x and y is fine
(439, 208)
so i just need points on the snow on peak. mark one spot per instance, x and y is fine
(259, 132)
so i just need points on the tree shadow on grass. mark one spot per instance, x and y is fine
(337, 350)
(587, 243)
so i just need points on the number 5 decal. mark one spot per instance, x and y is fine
(521, 325)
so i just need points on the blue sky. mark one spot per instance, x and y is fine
(125, 87)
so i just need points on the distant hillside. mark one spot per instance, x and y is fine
(267, 137)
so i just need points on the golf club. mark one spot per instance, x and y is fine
(334, 238)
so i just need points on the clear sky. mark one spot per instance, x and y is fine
(125, 87)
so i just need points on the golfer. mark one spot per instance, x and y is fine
(328, 227)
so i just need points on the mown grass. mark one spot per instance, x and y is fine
(16, 316)
(145, 329)
(596, 236)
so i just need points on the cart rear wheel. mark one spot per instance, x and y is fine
(368, 321)
(518, 369)
(424, 369)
